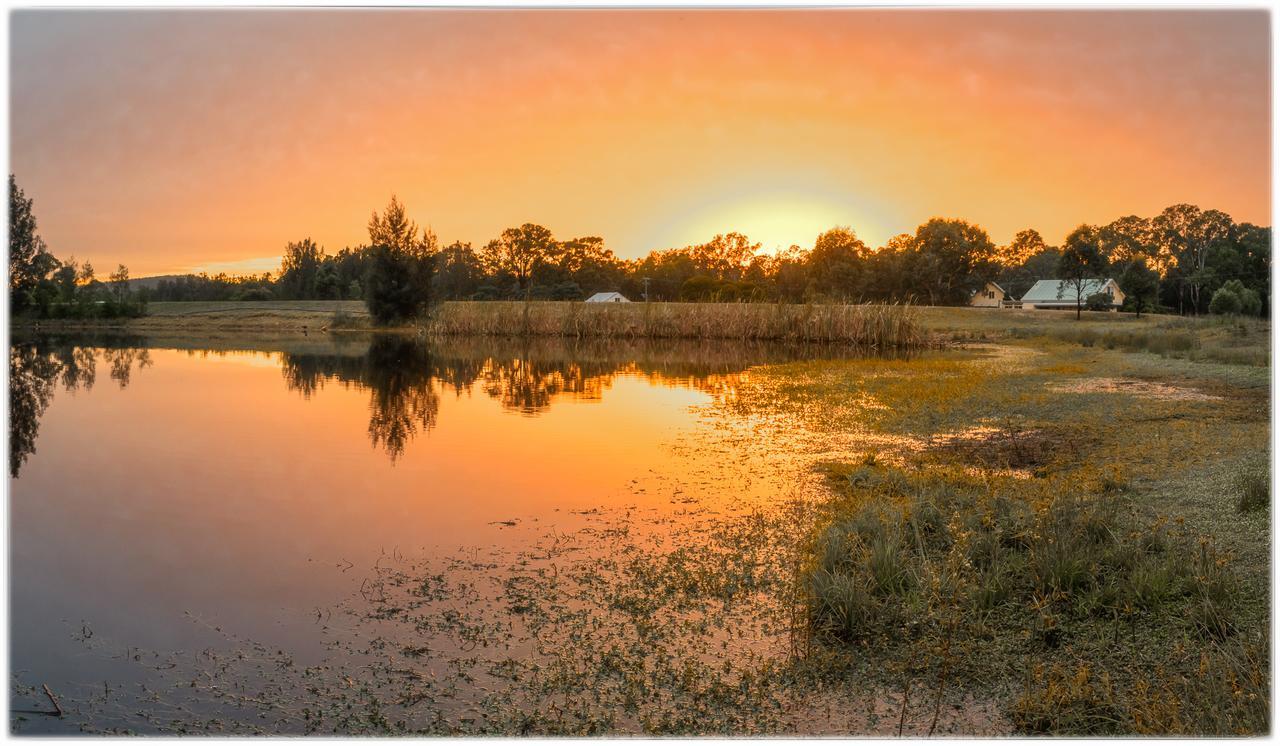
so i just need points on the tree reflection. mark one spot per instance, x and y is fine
(406, 377)
(403, 398)
(398, 371)
(37, 366)
(31, 382)
(528, 386)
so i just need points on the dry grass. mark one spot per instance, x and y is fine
(871, 326)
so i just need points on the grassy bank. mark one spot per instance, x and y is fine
(1219, 339)
(870, 326)
(1227, 339)
(1074, 531)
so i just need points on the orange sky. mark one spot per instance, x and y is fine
(181, 140)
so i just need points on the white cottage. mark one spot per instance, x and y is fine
(990, 296)
(608, 298)
(1061, 294)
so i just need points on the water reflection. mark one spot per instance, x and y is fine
(37, 366)
(405, 377)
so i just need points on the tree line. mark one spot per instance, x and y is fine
(1177, 261)
(1174, 262)
(43, 285)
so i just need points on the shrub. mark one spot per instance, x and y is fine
(1250, 301)
(256, 294)
(1098, 302)
(1225, 301)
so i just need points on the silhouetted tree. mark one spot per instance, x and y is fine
(298, 269)
(326, 282)
(1082, 259)
(518, 252)
(949, 260)
(1140, 283)
(1186, 234)
(458, 271)
(836, 264)
(398, 285)
(30, 263)
(120, 284)
(1025, 244)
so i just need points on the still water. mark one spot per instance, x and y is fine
(167, 496)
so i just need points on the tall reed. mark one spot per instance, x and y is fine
(873, 326)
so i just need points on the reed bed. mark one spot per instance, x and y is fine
(871, 326)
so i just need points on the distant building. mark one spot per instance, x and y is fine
(1062, 294)
(990, 296)
(608, 298)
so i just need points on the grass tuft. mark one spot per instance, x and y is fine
(1253, 491)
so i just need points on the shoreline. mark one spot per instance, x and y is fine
(869, 326)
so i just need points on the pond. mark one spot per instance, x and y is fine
(361, 533)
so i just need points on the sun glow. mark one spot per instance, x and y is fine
(779, 219)
(255, 266)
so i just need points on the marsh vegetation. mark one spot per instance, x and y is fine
(1020, 533)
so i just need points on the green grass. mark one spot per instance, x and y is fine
(1021, 524)
(1234, 340)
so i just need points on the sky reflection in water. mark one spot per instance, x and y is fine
(236, 483)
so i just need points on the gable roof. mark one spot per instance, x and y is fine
(607, 297)
(993, 284)
(1059, 291)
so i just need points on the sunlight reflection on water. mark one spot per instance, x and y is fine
(243, 489)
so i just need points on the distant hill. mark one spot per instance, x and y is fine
(150, 283)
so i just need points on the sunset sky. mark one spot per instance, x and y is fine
(180, 141)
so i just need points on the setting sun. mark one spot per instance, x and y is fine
(776, 218)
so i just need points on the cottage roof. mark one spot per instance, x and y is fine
(607, 298)
(1060, 291)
